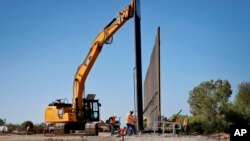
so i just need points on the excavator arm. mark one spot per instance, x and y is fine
(103, 37)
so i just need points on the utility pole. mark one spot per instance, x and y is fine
(138, 64)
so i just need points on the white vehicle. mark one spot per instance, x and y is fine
(4, 129)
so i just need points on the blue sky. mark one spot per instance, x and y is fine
(43, 42)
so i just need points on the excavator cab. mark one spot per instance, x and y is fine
(91, 108)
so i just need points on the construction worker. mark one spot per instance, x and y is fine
(176, 126)
(176, 119)
(28, 130)
(185, 125)
(130, 121)
(46, 128)
(112, 124)
(87, 113)
(145, 123)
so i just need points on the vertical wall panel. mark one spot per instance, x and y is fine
(152, 93)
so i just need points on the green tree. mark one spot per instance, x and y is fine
(210, 98)
(209, 101)
(197, 124)
(235, 115)
(39, 127)
(27, 123)
(242, 100)
(243, 97)
(2, 121)
(12, 127)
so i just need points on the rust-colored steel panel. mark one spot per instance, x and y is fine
(152, 89)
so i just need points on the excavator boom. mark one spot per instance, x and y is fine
(67, 117)
(96, 47)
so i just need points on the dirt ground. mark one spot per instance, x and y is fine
(107, 137)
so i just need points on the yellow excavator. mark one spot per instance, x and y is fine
(83, 113)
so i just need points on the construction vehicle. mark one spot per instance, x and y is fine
(83, 113)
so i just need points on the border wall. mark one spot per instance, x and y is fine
(152, 89)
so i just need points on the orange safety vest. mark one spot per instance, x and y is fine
(112, 120)
(176, 120)
(130, 119)
(185, 122)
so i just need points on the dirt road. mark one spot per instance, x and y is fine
(104, 137)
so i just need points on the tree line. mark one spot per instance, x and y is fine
(212, 110)
(35, 128)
